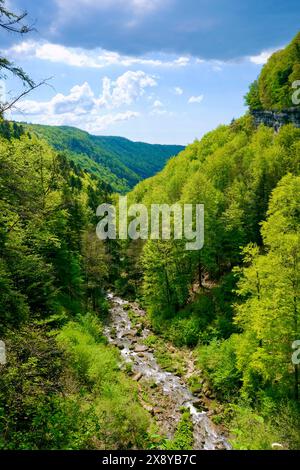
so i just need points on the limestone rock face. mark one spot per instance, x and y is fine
(276, 119)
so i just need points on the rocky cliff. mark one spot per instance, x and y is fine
(276, 119)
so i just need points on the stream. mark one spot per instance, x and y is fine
(121, 334)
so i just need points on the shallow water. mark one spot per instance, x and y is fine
(121, 333)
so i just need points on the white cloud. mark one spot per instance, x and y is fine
(95, 58)
(178, 91)
(261, 58)
(158, 109)
(182, 61)
(55, 53)
(126, 89)
(80, 100)
(94, 122)
(82, 108)
(196, 99)
(157, 104)
(107, 120)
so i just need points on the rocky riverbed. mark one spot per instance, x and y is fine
(167, 391)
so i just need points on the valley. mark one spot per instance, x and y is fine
(146, 343)
(118, 162)
(167, 394)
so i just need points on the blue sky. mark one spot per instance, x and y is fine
(163, 71)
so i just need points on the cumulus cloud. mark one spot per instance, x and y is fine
(80, 100)
(157, 104)
(96, 58)
(261, 58)
(107, 120)
(195, 99)
(195, 28)
(55, 53)
(126, 89)
(82, 108)
(100, 58)
(158, 109)
(178, 91)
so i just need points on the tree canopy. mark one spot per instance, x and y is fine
(273, 89)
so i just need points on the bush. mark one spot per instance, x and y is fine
(121, 421)
(183, 437)
(67, 392)
(218, 361)
(251, 431)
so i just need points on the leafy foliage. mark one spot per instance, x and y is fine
(273, 89)
(61, 387)
(238, 298)
(117, 161)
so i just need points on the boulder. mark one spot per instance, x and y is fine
(138, 376)
(139, 348)
(157, 411)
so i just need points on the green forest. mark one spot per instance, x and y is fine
(113, 159)
(273, 88)
(233, 308)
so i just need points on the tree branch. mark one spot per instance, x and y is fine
(7, 106)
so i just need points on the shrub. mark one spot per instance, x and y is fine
(218, 360)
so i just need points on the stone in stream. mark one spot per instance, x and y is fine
(157, 411)
(140, 348)
(197, 391)
(127, 328)
(129, 334)
(206, 390)
(138, 376)
(200, 404)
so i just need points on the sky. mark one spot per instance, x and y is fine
(158, 71)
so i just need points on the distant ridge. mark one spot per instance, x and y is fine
(118, 161)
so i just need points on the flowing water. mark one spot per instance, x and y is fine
(121, 333)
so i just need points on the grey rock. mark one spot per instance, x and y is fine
(138, 376)
(276, 119)
(140, 348)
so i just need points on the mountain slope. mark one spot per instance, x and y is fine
(120, 162)
(238, 299)
(273, 89)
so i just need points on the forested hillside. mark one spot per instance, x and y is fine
(273, 88)
(119, 162)
(210, 332)
(62, 387)
(237, 300)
